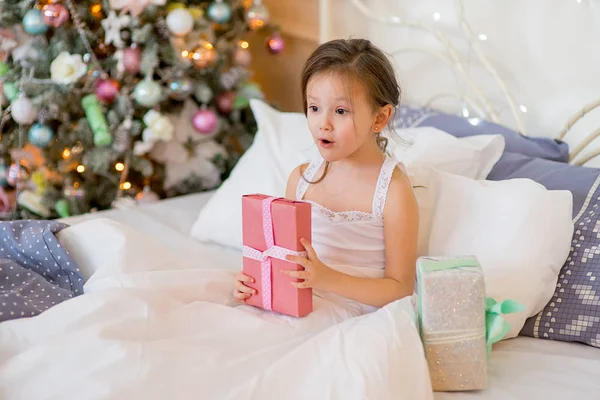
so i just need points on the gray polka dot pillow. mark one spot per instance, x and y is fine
(36, 272)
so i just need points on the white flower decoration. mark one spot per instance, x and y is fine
(158, 128)
(67, 68)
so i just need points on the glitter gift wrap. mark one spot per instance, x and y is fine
(451, 303)
(272, 228)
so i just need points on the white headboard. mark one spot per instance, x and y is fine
(533, 66)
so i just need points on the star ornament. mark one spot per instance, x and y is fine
(112, 28)
(135, 7)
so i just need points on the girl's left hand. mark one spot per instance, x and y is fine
(315, 275)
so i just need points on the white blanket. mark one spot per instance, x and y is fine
(156, 325)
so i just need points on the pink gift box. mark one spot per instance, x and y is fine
(272, 228)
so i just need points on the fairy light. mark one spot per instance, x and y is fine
(482, 36)
(81, 168)
(244, 44)
(523, 108)
(96, 10)
(185, 54)
(437, 16)
(119, 166)
(126, 185)
(66, 153)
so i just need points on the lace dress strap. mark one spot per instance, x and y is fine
(383, 184)
(309, 175)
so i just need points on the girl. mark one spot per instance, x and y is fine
(365, 216)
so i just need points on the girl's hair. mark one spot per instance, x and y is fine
(360, 60)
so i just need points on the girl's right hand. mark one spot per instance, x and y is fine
(242, 292)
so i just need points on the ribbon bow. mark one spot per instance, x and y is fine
(272, 251)
(495, 326)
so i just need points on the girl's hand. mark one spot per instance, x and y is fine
(315, 275)
(242, 292)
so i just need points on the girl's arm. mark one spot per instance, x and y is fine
(401, 225)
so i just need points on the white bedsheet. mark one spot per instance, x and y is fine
(86, 350)
(158, 324)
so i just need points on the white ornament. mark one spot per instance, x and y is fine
(180, 22)
(112, 28)
(67, 68)
(22, 111)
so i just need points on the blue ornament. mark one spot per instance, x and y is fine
(40, 135)
(33, 22)
(219, 12)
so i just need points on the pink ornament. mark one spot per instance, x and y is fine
(132, 59)
(55, 14)
(242, 57)
(225, 102)
(275, 44)
(107, 90)
(205, 121)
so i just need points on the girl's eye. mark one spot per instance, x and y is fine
(313, 108)
(341, 111)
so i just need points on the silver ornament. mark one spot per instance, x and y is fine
(179, 88)
(203, 93)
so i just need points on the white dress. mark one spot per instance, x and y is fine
(350, 241)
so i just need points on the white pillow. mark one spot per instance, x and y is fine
(472, 156)
(519, 231)
(283, 141)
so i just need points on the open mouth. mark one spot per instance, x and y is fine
(325, 142)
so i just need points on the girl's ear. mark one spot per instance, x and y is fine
(383, 117)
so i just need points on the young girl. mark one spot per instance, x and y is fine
(365, 216)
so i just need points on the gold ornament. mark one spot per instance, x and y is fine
(96, 10)
(203, 55)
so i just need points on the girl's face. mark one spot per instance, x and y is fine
(340, 118)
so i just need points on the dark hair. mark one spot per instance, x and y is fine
(361, 60)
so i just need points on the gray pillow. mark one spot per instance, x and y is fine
(573, 313)
(36, 272)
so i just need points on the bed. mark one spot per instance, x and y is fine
(520, 368)
(158, 320)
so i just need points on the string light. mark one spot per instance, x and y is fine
(244, 44)
(437, 16)
(119, 167)
(523, 108)
(80, 168)
(126, 185)
(66, 153)
(185, 54)
(482, 37)
(474, 121)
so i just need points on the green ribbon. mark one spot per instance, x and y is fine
(495, 326)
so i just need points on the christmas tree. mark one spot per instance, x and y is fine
(107, 103)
